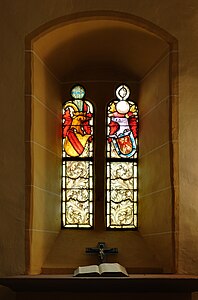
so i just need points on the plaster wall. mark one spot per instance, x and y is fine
(43, 188)
(155, 187)
(179, 18)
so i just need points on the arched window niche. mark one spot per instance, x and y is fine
(101, 50)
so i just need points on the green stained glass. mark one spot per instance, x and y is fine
(78, 92)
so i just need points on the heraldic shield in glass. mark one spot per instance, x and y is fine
(122, 150)
(77, 165)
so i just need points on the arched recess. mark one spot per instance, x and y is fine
(102, 49)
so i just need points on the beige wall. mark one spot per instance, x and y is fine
(155, 186)
(18, 18)
(43, 152)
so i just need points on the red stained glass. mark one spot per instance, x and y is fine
(122, 147)
(77, 166)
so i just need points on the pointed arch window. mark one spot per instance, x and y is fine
(77, 161)
(122, 145)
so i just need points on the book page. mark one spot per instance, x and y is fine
(112, 268)
(86, 270)
(109, 267)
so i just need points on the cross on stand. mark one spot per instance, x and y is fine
(102, 251)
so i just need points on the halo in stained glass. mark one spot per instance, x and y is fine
(78, 92)
(122, 92)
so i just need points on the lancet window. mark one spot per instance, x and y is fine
(122, 145)
(121, 161)
(77, 161)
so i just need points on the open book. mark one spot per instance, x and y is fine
(104, 269)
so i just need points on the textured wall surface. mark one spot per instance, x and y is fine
(44, 98)
(155, 191)
(19, 18)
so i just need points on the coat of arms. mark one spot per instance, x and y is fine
(122, 122)
(77, 123)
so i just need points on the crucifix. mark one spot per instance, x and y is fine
(102, 251)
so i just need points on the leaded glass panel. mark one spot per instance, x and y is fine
(122, 194)
(122, 145)
(77, 166)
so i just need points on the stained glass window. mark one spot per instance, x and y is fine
(122, 145)
(77, 161)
